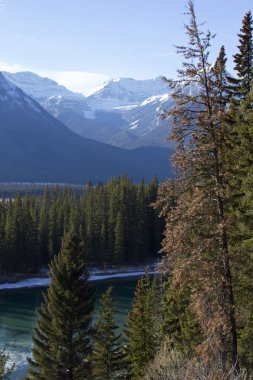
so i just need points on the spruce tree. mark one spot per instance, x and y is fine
(116, 220)
(243, 60)
(142, 327)
(11, 262)
(54, 231)
(136, 333)
(119, 246)
(241, 209)
(246, 344)
(3, 255)
(142, 236)
(32, 259)
(43, 233)
(196, 242)
(106, 348)
(179, 323)
(62, 338)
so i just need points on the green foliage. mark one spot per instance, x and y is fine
(62, 345)
(243, 60)
(179, 323)
(240, 209)
(246, 343)
(214, 156)
(143, 326)
(107, 352)
(209, 241)
(119, 239)
(116, 221)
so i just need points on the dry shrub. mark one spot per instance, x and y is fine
(170, 364)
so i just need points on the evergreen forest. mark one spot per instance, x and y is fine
(115, 220)
(194, 319)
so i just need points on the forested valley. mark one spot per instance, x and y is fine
(194, 319)
(116, 221)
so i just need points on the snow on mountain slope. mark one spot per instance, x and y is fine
(15, 98)
(36, 147)
(114, 93)
(126, 92)
(40, 88)
(147, 115)
(56, 99)
(124, 112)
(144, 124)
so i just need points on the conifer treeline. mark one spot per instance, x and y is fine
(115, 220)
(9, 190)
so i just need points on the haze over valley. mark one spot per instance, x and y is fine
(50, 134)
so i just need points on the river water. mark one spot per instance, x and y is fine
(18, 316)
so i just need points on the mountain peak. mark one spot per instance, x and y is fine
(123, 92)
(37, 147)
(40, 88)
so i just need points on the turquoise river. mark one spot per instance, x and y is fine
(18, 316)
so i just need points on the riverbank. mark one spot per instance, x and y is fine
(95, 276)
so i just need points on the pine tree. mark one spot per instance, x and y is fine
(116, 220)
(136, 332)
(10, 262)
(142, 237)
(54, 231)
(179, 323)
(243, 60)
(62, 342)
(196, 242)
(155, 224)
(153, 306)
(106, 348)
(43, 235)
(246, 344)
(142, 327)
(18, 233)
(32, 257)
(3, 253)
(119, 246)
(241, 209)
(103, 244)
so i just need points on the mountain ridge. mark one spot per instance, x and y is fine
(108, 115)
(36, 147)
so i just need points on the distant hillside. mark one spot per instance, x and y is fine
(124, 112)
(36, 147)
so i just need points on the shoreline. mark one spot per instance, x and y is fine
(44, 281)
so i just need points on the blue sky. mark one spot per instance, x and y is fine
(81, 43)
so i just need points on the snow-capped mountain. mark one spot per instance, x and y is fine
(123, 112)
(36, 147)
(40, 88)
(56, 99)
(145, 124)
(13, 96)
(125, 92)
